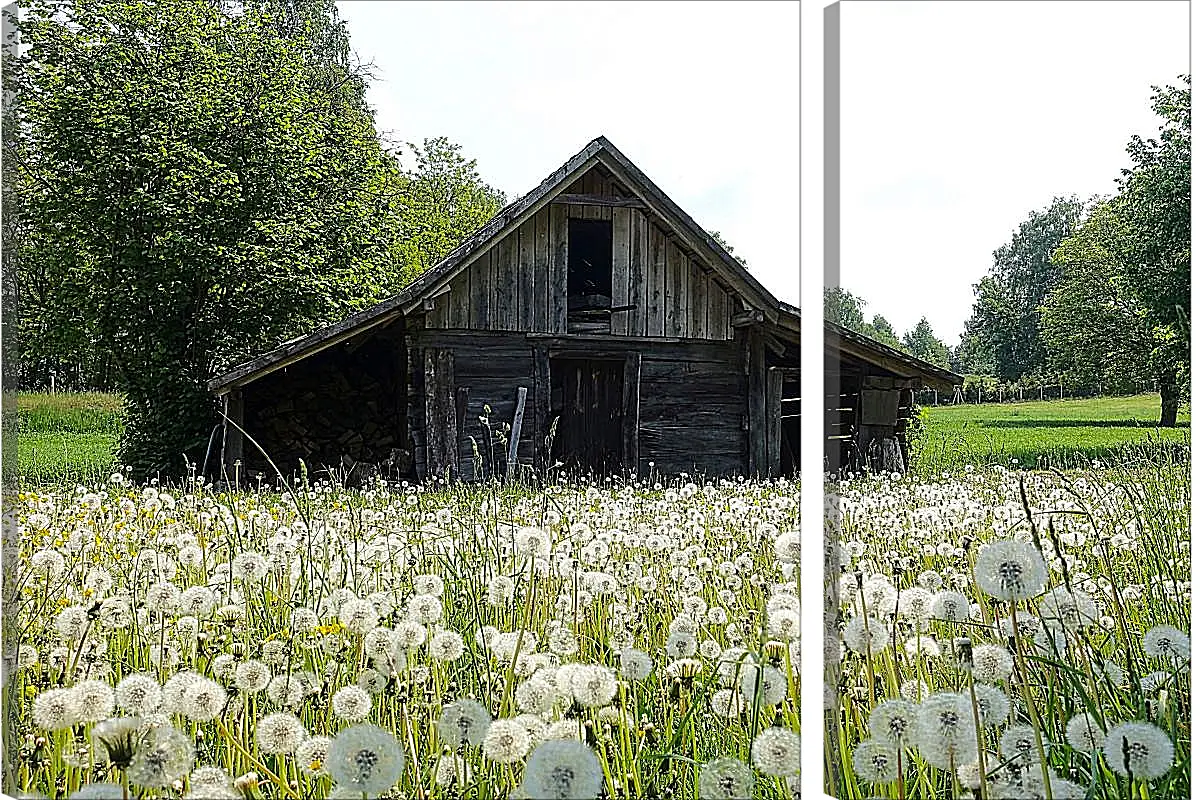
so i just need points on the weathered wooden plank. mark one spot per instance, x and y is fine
(481, 295)
(233, 444)
(631, 393)
(514, 438)
(672, 289)
(730, 304)
(558, 269)
(458, 311)
(440, 424)
(716, 312)
(539, 317)
(774, 420)
(638, 248)
(685, 297)
(526, 244)
(505, 312)
(756, 398)
(656, 284)
(541, 406)
(573, 199)
(698, 302)
(620, 271)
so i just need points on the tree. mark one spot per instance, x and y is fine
(1154, 204)
(197, 184)
(844, 308)
(1093, 325)
(1004, 323)
(882, 331)
(922, 343)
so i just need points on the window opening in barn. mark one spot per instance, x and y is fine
(589, 264)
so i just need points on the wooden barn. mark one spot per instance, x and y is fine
(593, 306)
(869, 393)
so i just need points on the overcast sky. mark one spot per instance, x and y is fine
(959, 118)
(703, 97)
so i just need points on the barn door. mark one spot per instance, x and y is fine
(589, 399)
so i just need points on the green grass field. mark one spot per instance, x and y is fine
(67, 437)
(1061, 433)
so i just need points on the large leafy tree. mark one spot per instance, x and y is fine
(198, 181)
(1004, 322)
(844, 308)
(882, 331)
(1120, 309)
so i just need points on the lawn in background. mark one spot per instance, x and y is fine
(1060, 433)
(67, 437)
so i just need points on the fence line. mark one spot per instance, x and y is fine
(1018, 393)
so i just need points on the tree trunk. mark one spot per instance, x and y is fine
(1168, 390)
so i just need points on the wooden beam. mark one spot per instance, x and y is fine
(514, 437)
(745, 318)
(597, 200)
(774, 420)
(541, 407)
(631, 410)
(757, 401)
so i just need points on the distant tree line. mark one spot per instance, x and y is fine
(846, 309)
(189, 182)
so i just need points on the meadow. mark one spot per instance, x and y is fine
(1062, 433)
(639, 639)
(67, 436)
(1010, 634)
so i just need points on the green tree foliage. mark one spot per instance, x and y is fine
(922, 343)
(1119, 311)
(882, 331)
(843, 308)
(1003, 327)
(444, 201)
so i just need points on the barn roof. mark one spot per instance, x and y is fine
(599, 150)
(896, 362)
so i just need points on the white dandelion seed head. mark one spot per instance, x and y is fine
(446, 646)
(1010, 570)
(358, 616)
(311, 755)
(992, 702)
(55, 709)
(636, 665)
(1167, 641)
(725, 779)
(166, 755)
(94, 700)
(563, 769)
(1084, 733)
(787, 547)
(991, 663)
(425, 609)
(252, 676)
(464, 722)
(203, 700)
(866, 634)
(877, 761)
(351, 704)
(727, 703)
(593, 685)
(366, 759)
(1017, 745)
(945, 729)
(279, 733)
(764, 685)
(776, 752)
(950, 605)
(506, 741)
(894, 722)
(1138, 749)
(535, 695)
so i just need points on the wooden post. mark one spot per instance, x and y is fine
(441, 425)
(774, 420)
(631, 390)
(757, 401)
(541, 407)
(514, 437)
(235, 410)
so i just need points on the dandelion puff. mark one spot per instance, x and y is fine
(1071, 609)
(945, 729)
(55, 709)
(1084, 733)
(763, 684)
(636, 665)
(213, 792)
(446, 646)
(500, 591)
(776, 752)
(311, 755)
(175, 688)
(365, 758)
(564, 729)
(991, 663)
(562, 770)
(593, 685)
(681, 644)
(463, 722)
(506, 741)
(725, 779)
(452, 771)
(992, 702)
(166, 756)
(358, 616)
(878, 762)
(950, 606)
(203, 700)
(727, 703)
(425, 608)
(535, 695)
(285, 690)
(893, 722)
(94, 700)
(351, 703)
(863, 633)
(409, 635)
(279, 733)
(787, 547)
(252, 676)
(1167, 641)
(1139, 749)
(372, 680)
(1010, 570)
(1017, 744)
(209, 776)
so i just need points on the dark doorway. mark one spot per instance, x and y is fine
(589, 263)
(587, 396)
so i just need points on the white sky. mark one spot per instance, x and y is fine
(703, 97)
(959, 118)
